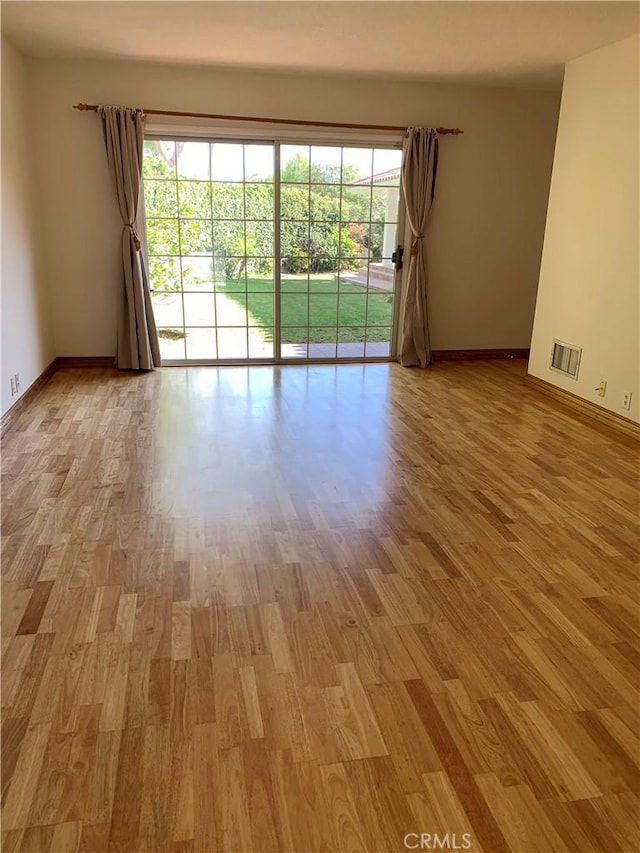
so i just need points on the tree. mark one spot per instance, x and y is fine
(325, 225)
(160, 158)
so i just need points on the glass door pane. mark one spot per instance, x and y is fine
(338, 224)
(210, 228)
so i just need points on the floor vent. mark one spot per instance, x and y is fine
(565, 358)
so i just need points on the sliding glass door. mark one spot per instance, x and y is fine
(261, 251)
(337, 233)
(210, 240)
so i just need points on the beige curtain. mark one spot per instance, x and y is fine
(419, 167)
(123, 131)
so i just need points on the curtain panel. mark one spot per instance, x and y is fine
(123, 131)
(419, 168)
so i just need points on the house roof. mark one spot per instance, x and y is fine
(381, 177)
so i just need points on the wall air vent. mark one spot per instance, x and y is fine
(565, 358)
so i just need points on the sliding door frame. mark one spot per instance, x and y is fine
(277, 270)
(277, 141)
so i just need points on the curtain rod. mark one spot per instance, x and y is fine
(442, 131)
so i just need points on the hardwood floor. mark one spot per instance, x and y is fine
(317, 609)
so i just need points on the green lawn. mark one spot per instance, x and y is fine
(319, 304)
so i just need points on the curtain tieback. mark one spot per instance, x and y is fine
(414, 245)
(134, 234)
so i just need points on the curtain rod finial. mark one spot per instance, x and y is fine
(82, 107)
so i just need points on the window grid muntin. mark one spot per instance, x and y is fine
(184, 327)
(213, 264)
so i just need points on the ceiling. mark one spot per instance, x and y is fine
(522, 44)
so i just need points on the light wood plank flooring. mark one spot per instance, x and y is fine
(317, 609)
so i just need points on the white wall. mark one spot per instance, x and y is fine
(27, 342)
(485, 235)
(590, 277)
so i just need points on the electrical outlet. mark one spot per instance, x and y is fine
(626, 400)
(602, 388)
(13, 386)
